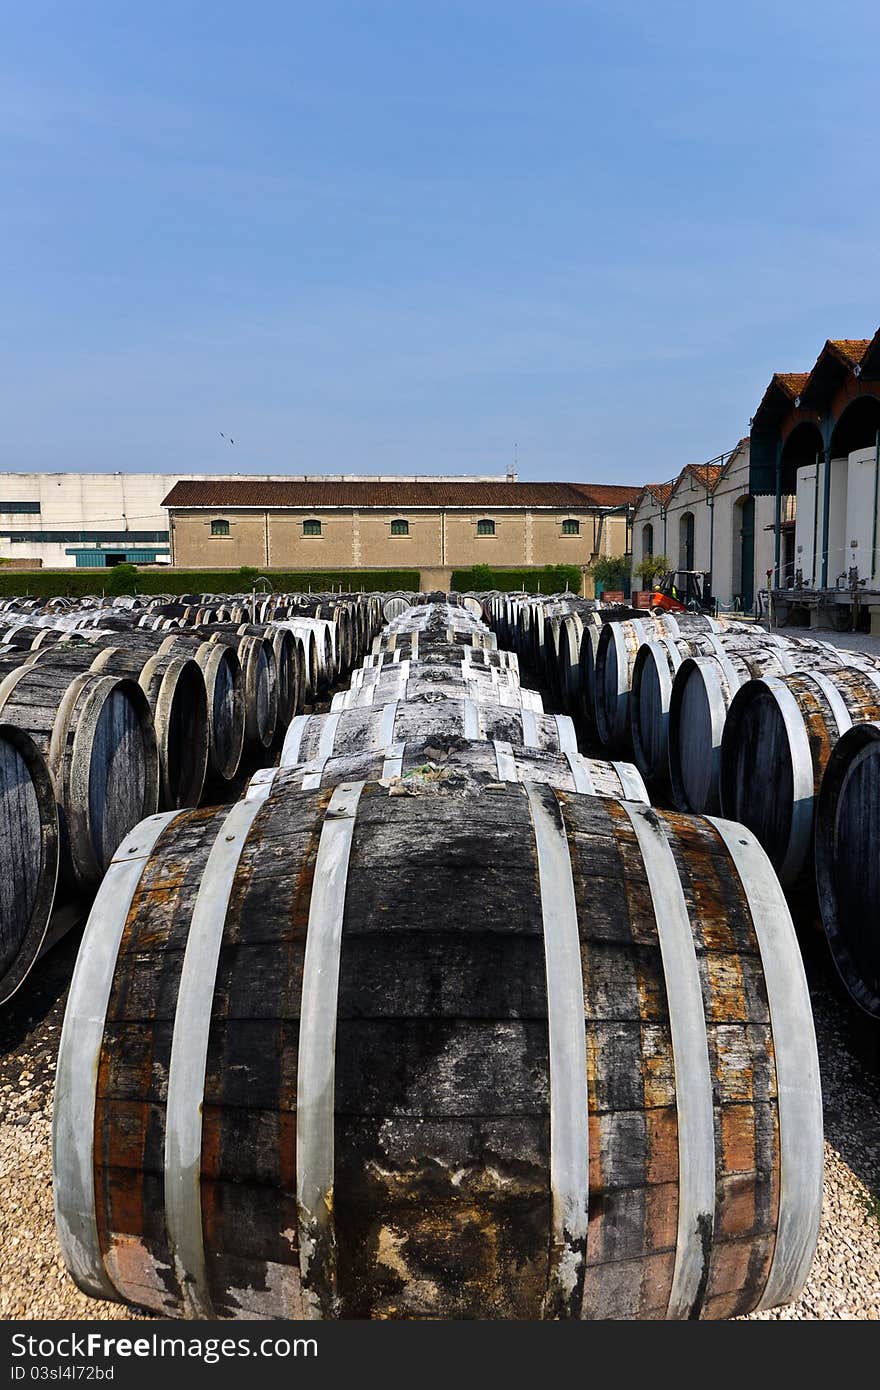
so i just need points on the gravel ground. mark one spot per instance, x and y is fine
(854, 641)
(844, 1283)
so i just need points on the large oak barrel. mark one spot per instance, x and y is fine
(424, 680)
(96, 733)
(419, 763)
(777, 739)
(358, 730)
(28, 855)
(848, 861)
(483, 658)
(348, 1053)
(414, 641)
(653, 674)
(224, 683)
(175, 689)
(702, 691)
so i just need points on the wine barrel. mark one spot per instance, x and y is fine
(224, 683)
(28, 855)
(96, 733)
(653, 675)
(312, 736)
(777, 739)
(701, 694)
(412, 641)
(405, 683)
(419, 763)
(260, 682)
(326, 1054)
(479, 657)
(847, 862)
(175, 689)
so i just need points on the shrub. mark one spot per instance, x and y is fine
(652, 567)
(549, 579)
(75, 583)
(122, 579)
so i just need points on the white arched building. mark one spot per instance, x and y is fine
(707, 519)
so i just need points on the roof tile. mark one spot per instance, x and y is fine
(254, 493)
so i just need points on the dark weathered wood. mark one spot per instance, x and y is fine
(848, 863)
(441, 1201)
(448, 757)
(777, 739)
(28, 855)
(96, 733)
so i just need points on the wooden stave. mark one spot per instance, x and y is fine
(418, 763)
(808, 711)
(65, 713)
(853, 757)
(224, 682)
(177, 695)
(26, 937)
(376, 726)
(636, 1284)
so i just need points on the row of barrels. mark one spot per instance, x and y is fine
(440, 1020)
(745, 723)
(105, 722)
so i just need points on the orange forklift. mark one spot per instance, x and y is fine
(679, 591)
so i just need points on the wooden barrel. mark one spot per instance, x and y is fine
(358, 730)
(480, 657)
(224, 683)
(405, 682)
(96, 733)
(777, 739)
(175, 689)
(701, 694)
(260, 684)
(653, 675)
(348, 1053)
(848, 864)
(28, 855)
(419, 763)
(289, 695)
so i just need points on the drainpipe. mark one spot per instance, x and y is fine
(777, 527)
(876, 498)
(826, 492)
(266, 516)
(816, 521)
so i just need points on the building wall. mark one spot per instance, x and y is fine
(721, 536)
(362, 538)
(851, 524)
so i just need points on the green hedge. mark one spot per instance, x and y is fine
(550, 579)
(74, 583)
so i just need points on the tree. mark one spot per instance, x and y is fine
(651, 568)
(610, 571)
(122, 579)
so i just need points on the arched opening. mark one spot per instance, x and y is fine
(647, 541)
(686, 541)
(485, 526)
(743, 552)
(219, 527)
(857, 427)
(312, 527)
(400, 527)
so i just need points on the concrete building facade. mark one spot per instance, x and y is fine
(432, 526)
(707, 519)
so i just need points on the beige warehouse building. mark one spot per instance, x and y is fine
(432, 526)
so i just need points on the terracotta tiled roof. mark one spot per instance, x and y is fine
(254, 493)
(853, 349)
(792, 383)
(661, 492)
(703, 472)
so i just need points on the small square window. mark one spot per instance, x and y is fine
(570, 527)
(400, 527)
(311, 528)
(219, 528)
(485, 527)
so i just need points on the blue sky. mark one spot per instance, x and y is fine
(405, 236)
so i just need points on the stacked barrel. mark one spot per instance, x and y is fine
(723, 716)
(126, 708)
(441, 1019)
